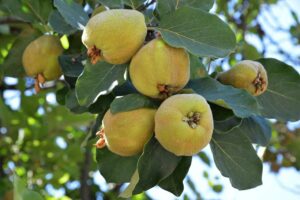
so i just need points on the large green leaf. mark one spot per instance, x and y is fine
(40, 9)
(226, 125)
(72, 12)
(132, 102)
(97, 80)
(197, 69)
(120, 3)
(236, 159)
(201, 33)
(59, 25)
(154, 165)
(71, 64)
(281, 100)
(174, 182)
(12, 65)
(257, 129)
(240, 101)
(167, 6)
(115, 168)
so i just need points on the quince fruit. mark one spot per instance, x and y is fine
(126, 133)
(40, 59)
(184, 124)
(114, 35)
(248, 75)
(159, 70)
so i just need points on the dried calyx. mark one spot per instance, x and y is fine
(259, 83)
(101, 142)
(94, 54)
(166, 91)
(39, 79)
(193, 119)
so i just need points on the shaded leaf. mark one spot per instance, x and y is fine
(154, 165)
(71, 64)
(174, 182)
(236, 159)
(132, 102)
(115, 168)
(201, 33)
(72, 12)
(197, 69)
(240, 101)
(257, 129)
(59, 25)
(281, 100)
(227, 125)
(97, 80)
(166, 6)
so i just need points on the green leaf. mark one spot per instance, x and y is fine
(127, 193)
(12, 65)
(204, 158)
(30, 195)
(154, 165)
(59, 25)
(102, 104)
(71, 64)
(240, 101)
(174, 182)
(294, 148)
(72, 12)
(13, 8)
(281, 100)
(112, 3)
(40, 9)
(115, 168)
(201, 33)
(97, 80)
(134, 3)
(72, 103)
(197, 69)
(132, 102)
(167, 6)
(236, 159)
(257, 129)
(227, 125)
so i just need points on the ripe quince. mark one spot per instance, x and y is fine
(126, 133)
(184, 124)
(247, 74)
(159, 70)
(40, 59)
(114, 35)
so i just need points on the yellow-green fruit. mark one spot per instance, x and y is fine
(126, 133)
(114, 35)
(158, 70)
(248, 75)
(184, 124)
(41, 57)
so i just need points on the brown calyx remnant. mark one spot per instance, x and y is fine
(193, 119)
(165, 91)
(94, 54)
(39, 79)
(101, 142)
(259, 83)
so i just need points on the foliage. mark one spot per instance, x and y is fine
(50, 144)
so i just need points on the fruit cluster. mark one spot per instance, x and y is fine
(183, 123)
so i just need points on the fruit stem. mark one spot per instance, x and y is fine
(41, 79)
(37, 87)
(94, 54)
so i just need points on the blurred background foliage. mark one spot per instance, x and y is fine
(47, 146)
